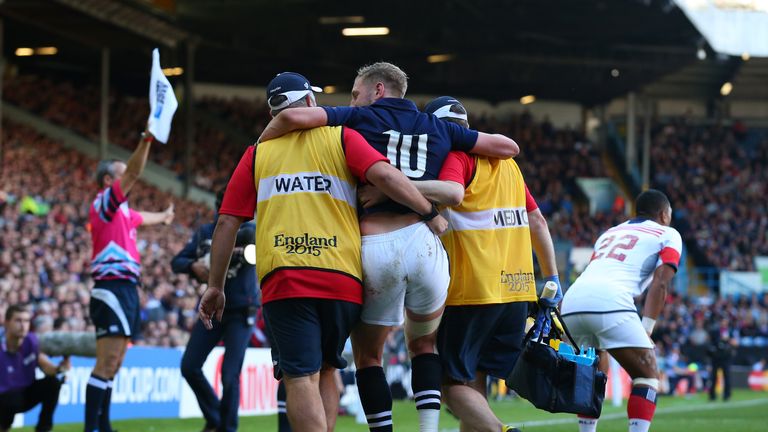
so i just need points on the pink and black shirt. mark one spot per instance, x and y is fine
(113, 231)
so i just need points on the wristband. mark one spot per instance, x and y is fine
(431, 215)
(145, 137)
(648, 324)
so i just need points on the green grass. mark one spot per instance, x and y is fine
(746, 412)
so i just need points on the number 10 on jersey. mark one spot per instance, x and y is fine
(399, 152)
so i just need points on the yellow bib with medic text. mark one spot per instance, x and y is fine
(488, 239)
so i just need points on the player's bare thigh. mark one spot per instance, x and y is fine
(638, 362)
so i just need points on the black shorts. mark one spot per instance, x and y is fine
(115, 309)
(307, 332)
(486, 338)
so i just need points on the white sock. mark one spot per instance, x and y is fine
(639, 425)
(587, 424)
(429, 420)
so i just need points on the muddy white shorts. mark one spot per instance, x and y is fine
(404, 268)
(608, 330)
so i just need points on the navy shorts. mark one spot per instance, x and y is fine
(486, 338)
(307, 332)
(115, 309)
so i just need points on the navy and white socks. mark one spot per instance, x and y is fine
(426, 379)
(376, 398)
(282, 414)
(95, 396)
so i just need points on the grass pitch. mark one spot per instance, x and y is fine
(747, 411)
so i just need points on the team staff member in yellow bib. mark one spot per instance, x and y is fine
(494, 224)
(302, 188)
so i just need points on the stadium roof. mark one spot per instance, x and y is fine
(583, 51)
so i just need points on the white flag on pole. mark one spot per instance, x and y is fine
(162, 101)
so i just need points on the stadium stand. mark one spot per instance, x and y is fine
(77, 108)
(715, 176)
(249, 116)
(687, 323)
(45, 246)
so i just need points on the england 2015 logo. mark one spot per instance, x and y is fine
(517, 282)
(305, 244)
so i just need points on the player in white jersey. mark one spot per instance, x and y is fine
(599, 309)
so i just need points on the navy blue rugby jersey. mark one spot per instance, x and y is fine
(416, 143)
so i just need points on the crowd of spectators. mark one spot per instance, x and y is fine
(77, 107)
(689, 337)
(688, 323)
(249, 116)
(716, 178)
(45, 246)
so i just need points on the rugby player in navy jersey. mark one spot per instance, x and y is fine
(404, 264)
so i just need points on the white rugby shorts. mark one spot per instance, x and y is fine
(403, 268)
(608, 330)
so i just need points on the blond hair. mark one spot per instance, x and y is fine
(393, 78)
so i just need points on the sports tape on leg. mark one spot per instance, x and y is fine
(417, 329)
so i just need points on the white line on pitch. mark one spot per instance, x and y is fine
(620, 415)
(670, 410)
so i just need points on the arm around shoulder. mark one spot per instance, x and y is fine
(496, 146)
(292, 119)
